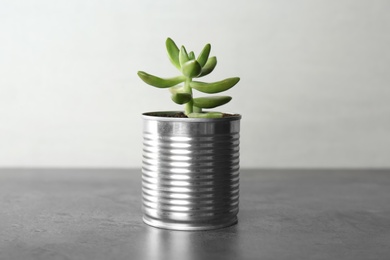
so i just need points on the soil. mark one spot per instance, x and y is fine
(182, 115)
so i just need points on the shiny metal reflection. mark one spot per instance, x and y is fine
(190, 172)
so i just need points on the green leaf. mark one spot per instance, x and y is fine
(173, 52)
(191, 68)
(191, 55)
(160, 82)
(211, 102)
(183, 56)
(215, 87)
(209, 66)
(205, 115)
(204, 55)
(181, 98)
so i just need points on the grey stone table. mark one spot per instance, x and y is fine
(284, 214)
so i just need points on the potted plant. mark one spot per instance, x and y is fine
(190, 168)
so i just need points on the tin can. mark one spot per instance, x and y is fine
(190, 171)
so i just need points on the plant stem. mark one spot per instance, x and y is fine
(188, 108)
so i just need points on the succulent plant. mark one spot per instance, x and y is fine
(191, 68)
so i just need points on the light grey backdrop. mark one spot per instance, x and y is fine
(314, 91)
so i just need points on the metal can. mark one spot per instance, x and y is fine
(190, 171)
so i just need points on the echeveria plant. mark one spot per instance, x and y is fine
(191, 68)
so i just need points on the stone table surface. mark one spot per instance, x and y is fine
(284, 214)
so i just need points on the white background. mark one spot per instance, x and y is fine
(314, 90)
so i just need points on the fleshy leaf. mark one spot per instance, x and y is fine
(204, 55)
(173, 52)
(191, 68)
(215, 87)
(211, 102)
(181, 98)
(209, 66)
(191, 55)
(206, 115)
(160, 82)
(183, 56)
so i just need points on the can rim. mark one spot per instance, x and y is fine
(152, 116)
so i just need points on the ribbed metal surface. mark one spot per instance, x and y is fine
(190, 172)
